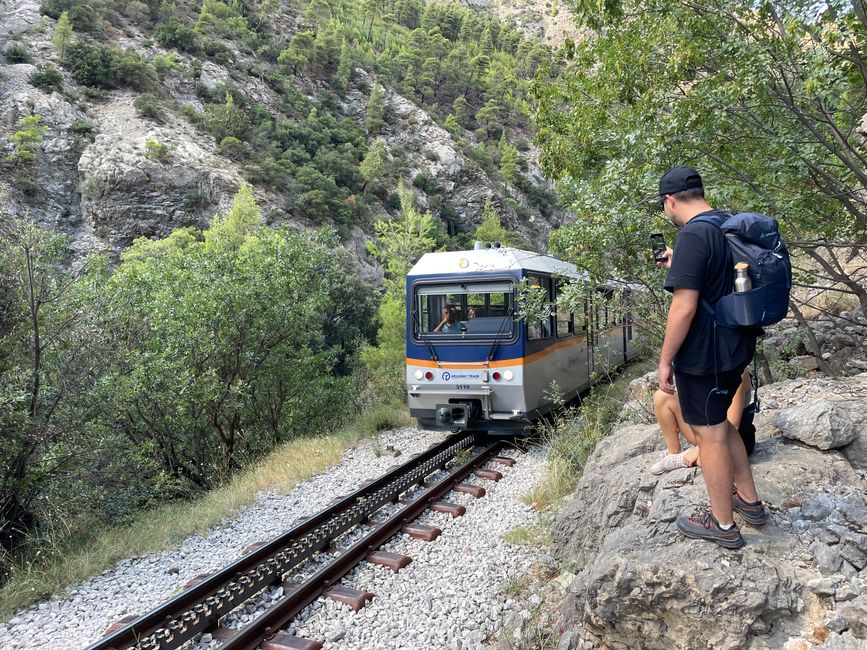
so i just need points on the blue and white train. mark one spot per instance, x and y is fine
(470, 365)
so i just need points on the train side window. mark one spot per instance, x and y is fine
(540, 329)
(565, 323)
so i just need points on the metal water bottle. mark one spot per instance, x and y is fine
(742, 278)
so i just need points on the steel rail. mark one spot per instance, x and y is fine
(284, 610)
(199, 608)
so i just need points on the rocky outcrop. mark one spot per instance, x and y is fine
(841, 338)
(125, 194)
(801, 579)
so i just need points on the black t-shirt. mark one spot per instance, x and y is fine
(702, 261)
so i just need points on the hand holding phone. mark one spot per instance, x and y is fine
(657, 247)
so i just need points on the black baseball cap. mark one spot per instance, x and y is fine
(678, 179)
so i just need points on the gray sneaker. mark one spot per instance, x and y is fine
(753, 513)
(703, 525)
(668, 462)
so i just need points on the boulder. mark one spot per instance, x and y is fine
(825, 424)
(639, 583)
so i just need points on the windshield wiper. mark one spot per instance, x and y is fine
(507, 319)
(430, 346)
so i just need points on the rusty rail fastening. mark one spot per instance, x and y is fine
(199, 608)
(283, 611)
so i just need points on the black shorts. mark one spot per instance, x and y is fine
(700, 404)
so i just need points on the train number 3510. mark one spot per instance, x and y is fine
(462, 386)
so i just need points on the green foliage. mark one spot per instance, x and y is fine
(42, 377)
(374, 166)
(27, 140)
(149, 106)
(167, 63)
(173, 33)
(765, 100)
(375, 119)
(399, 244)
(508, 160)
(83, 14)
(232, 148)
(491, 229)
(16, 53)
(62, 33)
(225, 350)
(46, 78)
(156, 150)
(100, 66)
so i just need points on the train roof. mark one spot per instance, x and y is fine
(490, 260)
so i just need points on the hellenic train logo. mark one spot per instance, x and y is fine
(446, 376)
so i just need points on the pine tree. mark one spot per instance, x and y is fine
(375, 110)
(462, 112)
(62, 33)
(373, 167)
(508, 160)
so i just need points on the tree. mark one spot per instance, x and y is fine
(508, 160)
(45, 333)
(375, 120)
(491, 229)
(399, 244)
(463, 112)
(766, 100)
(62, 33)
(27, 140)
(373, 166)
(298, 52)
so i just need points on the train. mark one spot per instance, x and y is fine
(471, 365)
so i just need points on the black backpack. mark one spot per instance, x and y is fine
(755, 239)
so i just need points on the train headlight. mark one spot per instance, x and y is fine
(508, 375)
(418, 374)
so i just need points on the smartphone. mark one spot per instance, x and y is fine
(657, 246)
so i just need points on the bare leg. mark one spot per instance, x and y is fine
(667, 414)
(743, 474)
(736, 410)
(718, 468)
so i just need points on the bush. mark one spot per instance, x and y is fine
(16, 53)
(232, 148)
(46, 78)
(167, 63)
(426, 183)
(173, 33)
(104, 67)
(148, 106)
(156, 150)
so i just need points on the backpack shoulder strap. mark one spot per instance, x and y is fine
(717, 219)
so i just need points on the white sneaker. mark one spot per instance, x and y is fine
(668, 462)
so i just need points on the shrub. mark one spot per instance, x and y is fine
(232, 148)
(147, 105)
(46, 78)
(16, 53)
(156, 150)
(426, 183)
(104, 67)
(167, 63)
(173, 33)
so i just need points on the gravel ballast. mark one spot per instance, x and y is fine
(452, 595)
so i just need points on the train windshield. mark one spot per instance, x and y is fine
(465, 309)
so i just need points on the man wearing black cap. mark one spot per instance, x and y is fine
(707, 361)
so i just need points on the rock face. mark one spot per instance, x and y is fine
(126, 195)
(825, 424)
(640, 584)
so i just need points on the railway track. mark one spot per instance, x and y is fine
(379, 509)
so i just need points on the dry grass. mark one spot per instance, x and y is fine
(71, 559)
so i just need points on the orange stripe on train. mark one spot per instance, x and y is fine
(502, 363)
